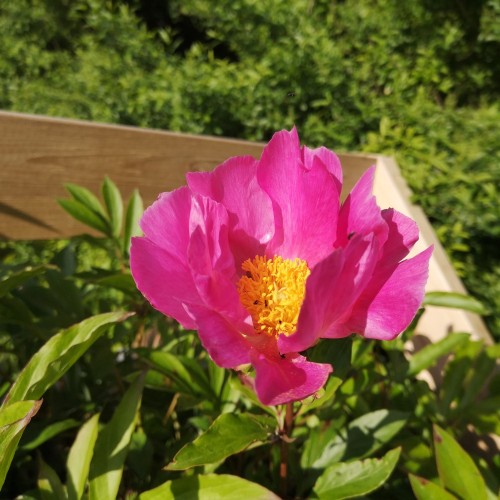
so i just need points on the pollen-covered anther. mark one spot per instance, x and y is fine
(272, 290)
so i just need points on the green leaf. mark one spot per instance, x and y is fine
(47, 433)
(16, 279)
(83, 214)
(49, 484)
(135, 209)
(456, 469)
(79, 457)
(120, 281)
(347, 480)
(83, 195)
(424, 489)
(209, 487)
(322, 398)
(229, 434)
(111, 448)
(364, 436)
(455, 301)
(114, 205)
(336, 352)
(186, 372)
(427, 356)
(13, 420)
(57, 356)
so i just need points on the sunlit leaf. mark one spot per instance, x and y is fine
(83, 195)
(57, 356)
(134, 212)
(352, 479)
(424, 489)
(229, 434)
(457, 470)
(13, 420)
(427, 356)
(84, 214)
(364, 436)
(49, 484)
(209, 487)
(112, 443)
(455, 301)
(79, 458)
(114, 205)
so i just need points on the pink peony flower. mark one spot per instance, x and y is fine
(263, 260)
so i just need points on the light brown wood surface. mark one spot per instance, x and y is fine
(38, 155)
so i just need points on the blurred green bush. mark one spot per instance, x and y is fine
(417, 80)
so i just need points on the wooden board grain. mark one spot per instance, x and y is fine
(39, 154)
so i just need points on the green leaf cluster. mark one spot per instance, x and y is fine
(116, 404)
(417, 80)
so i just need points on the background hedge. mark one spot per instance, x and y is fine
(417, 80)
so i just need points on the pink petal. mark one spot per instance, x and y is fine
(403, 234)
(331, 291)
(211, 261)
(305, 200)
(234, 184)
(360, 213)
(164, 280)
(224, 343)
(281, 380)
(166, 222)
(389, 304)
(329, 159)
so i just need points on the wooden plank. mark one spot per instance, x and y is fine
(39, 154)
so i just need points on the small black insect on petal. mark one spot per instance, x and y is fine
(350, 235)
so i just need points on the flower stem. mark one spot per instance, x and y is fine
(285, 433)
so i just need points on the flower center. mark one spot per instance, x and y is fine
(272, 291)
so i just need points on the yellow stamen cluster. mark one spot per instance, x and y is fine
(272, 291)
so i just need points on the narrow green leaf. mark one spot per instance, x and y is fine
(229, 434)
(112, 444)
(364, 436)
(17, 279)
(455, 301)
(209, 487)
(47, 433)
(120, 281)
(456, 372)
(456, 469)
(352, 479)
(83, 214)
(13, 421)
(114, 205)
(135, 209)
(83, 195)
(49, 484)
(484, 367)
(57, 356)
(424, 489)
(79, 457)
(186, 372)
(427, 356)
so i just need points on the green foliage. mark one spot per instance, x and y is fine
(133, 405)
(418, 81)
(458, 474)
(208, 487)
(356, 478)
